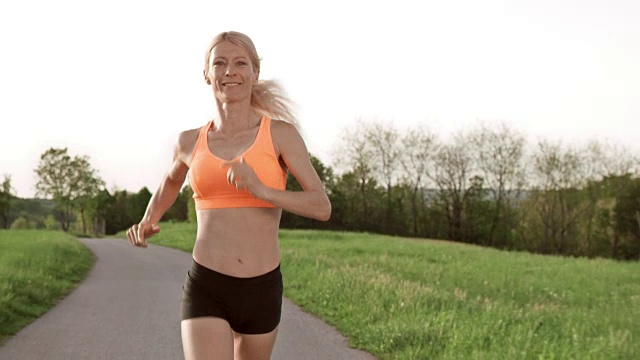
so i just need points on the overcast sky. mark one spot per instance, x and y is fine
(118, 80)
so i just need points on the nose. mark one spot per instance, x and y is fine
(229, 71)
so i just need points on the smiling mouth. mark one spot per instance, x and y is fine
(231, 84)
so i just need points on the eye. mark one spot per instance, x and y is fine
(241, 63)
(218, 63)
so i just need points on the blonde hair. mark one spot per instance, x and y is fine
(267, 96)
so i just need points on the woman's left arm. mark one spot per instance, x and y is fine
(312, 202)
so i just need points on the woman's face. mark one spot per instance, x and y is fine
(231, 73)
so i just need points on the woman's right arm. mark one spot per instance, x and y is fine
(166, 194)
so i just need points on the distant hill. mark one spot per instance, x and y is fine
(34, 210)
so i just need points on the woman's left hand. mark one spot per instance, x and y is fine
(242, 176)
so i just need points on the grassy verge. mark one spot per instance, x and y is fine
(416, 299)
(37, 269)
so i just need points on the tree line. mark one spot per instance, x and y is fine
(71, 196)
(484, 185)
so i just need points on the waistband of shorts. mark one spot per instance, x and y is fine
(206, 274)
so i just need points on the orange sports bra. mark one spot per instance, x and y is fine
(208, 178)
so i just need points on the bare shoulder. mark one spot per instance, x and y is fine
(285, 134)
(281, 127)
(286, 138)
(187, 139)
(185, 144)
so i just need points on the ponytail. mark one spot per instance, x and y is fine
(268, 98)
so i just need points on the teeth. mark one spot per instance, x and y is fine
(231, 84)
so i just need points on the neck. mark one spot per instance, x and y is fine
(235, 116)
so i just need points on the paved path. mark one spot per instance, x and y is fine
(129, 308)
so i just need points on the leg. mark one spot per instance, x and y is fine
(258, 346)
(207, 338)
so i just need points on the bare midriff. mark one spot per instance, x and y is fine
(240, 242)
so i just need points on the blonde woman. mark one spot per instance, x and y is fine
(237, 165)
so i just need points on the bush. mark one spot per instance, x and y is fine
(50, 223)
(21, 223)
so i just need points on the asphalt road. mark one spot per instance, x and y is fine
(129, 308)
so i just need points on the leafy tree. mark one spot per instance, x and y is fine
(191, 209)
(55, 172)
(137, 205)
(50, 223)
(179, 211)
(88, 187)
(627, 219)
(117, 218)
(346, 204)
(356, 155)
(68, 181)
(102, 212)
(6, 200)
(606, 168)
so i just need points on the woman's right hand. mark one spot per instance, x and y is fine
(139, 233)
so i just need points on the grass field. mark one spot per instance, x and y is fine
(37, 269)
(419, 299)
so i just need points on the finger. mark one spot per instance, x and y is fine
(131, 236)
(140, 239)
(230, 176)
(134, 234)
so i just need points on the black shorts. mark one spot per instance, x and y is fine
(250, 305)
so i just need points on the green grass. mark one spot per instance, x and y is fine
(419, 299)
(37, 269)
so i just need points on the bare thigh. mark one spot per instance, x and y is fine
(256, 347)
(207, 338)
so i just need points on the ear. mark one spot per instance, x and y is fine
(206, 77)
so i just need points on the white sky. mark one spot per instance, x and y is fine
(118, 80)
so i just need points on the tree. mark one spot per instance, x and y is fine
(608, 170)
(384, 140)
(559, 172)
(419, 147)
(68, 181)
(453, 176)
(88, 186)
(101, 212)
(356, 155)
(116, 217)
(50, 223)
(627, 219)
(179, 210)
(6, 200)
(499, 154)
(137, 205)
